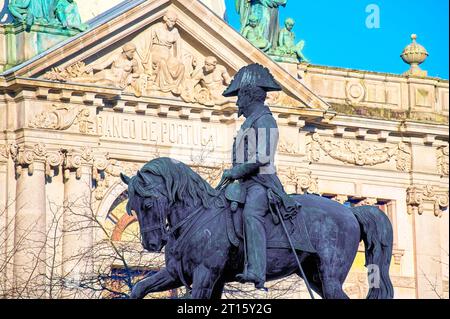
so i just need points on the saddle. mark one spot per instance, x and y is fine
(236, 194)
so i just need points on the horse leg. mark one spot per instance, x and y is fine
(309, 265)
(332, 279)
(161, 281)
(203, 282)
(218, 290)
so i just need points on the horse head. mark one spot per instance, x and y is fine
(163, 194)
(148, 203)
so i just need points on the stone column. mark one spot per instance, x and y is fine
(426, 204)
(30, 228)
(4, 156)
(78, 222)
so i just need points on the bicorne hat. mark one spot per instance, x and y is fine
(253, 74)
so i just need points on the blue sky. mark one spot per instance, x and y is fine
(336, 33)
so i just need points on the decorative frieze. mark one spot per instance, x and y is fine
(360, 153)
(63, 117)
(418, 195)
(442, 160)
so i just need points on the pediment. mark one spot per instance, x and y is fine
(173, 67)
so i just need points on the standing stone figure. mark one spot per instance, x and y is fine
(163, 58)
(267, 13)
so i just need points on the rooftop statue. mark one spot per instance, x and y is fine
(286, 43)
(33, 12)
(69, 16)
(55, 13)
(252, 32)
(267, 14)
(248, 228)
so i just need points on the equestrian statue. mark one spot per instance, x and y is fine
(249, 229)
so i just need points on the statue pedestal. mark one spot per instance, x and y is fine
(18, 45)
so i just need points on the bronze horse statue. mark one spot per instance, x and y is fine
(179, 211)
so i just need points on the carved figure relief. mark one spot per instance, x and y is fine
(207, 83)
(161, 66)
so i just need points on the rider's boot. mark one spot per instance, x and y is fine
(255, 235)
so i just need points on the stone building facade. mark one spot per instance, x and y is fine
(133, 87)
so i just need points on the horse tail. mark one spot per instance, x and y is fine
(377, 234)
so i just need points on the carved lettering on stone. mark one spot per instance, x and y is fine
(360, 153)
(62, 117)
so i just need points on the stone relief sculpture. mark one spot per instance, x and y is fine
(160, 66)
(121, 71)
(360, 154)
(442, 158)
(56, 13)
(208, 83)
(162, 62)
(61, 117)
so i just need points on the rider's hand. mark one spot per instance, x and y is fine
(228, 174)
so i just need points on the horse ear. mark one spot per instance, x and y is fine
(125, 179)
(145, 178)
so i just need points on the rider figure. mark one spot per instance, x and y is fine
(253, 164)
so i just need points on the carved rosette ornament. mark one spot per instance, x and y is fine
(418, 195)
(286, 147)
(359, 153)
(25, 157)
(297, 181)
(442, 158)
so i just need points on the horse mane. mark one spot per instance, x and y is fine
(182, 184)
